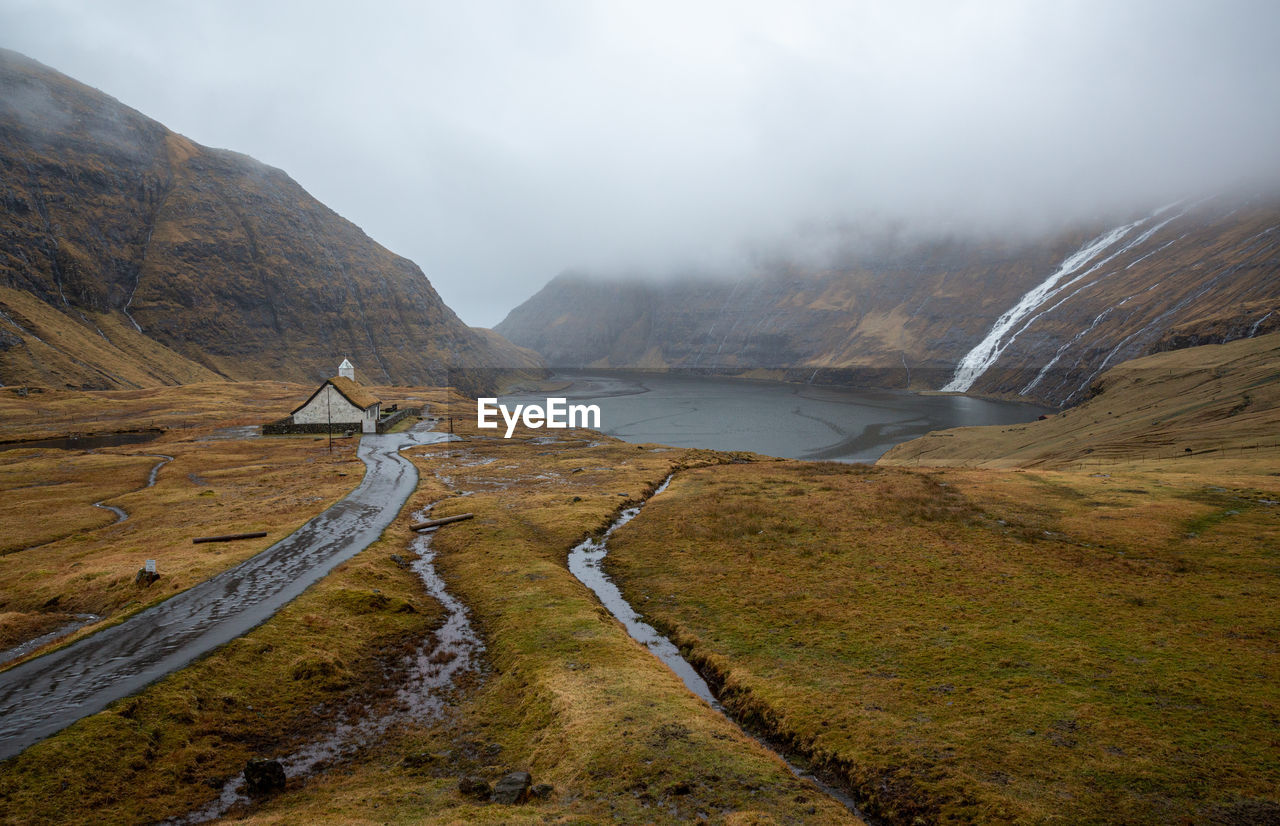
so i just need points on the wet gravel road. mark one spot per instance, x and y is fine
(48, 693)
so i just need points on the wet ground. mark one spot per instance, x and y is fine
(48, 693)
(431, 675)
(584, 563)
(794, 421)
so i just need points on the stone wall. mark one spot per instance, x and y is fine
(388, 422)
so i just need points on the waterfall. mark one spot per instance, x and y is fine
(978, 360)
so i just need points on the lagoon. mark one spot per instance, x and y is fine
(794, 421)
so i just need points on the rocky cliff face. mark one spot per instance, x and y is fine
(1038, 320)
(130, 256)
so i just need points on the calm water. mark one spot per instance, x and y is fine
(795, 421)
(129, 437)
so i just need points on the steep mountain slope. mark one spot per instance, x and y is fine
(1187, 410)
(131, 256)
(1038, 319)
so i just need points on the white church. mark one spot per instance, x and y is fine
(341, 401)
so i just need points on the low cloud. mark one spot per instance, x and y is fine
(499, 143)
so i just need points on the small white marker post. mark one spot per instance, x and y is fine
(150, 566)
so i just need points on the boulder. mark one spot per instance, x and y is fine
(513, 788)
(144, 578)
(263, 777)
(474, 787)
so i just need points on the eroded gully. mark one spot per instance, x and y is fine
(45, 694)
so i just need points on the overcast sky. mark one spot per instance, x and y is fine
(499, 143)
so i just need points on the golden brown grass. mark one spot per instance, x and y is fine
(77, 559)
(156, 754)
(570, 696)
(195, 408)
(566, 693)
(60, 555)
(59, 350)
(166, 750)
(983, 646)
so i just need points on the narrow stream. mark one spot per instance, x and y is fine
(121, 513)
(431, 672)
(81, 620)
(585, 564)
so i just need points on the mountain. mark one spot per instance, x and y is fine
(132, 256)
(1036, 319)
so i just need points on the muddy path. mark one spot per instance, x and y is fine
(45, 694)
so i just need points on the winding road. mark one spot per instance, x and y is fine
(48, 693)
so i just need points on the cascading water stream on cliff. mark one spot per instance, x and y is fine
(1071, 271)
(978, 360)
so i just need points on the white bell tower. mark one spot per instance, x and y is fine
(347, 370)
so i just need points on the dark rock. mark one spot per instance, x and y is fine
(474, 787)
(400, 560)
(144, 578)
(1245, 813)
(418, 759)
(541, 791)
(263, 777)
(513, 788)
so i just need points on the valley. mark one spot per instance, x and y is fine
(898, 631)
(899, 522)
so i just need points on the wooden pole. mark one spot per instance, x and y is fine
(435, 523)
(228, 537)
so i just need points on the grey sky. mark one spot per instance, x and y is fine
(498, 143)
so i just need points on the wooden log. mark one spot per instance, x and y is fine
(435, 523)
(228, 537)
